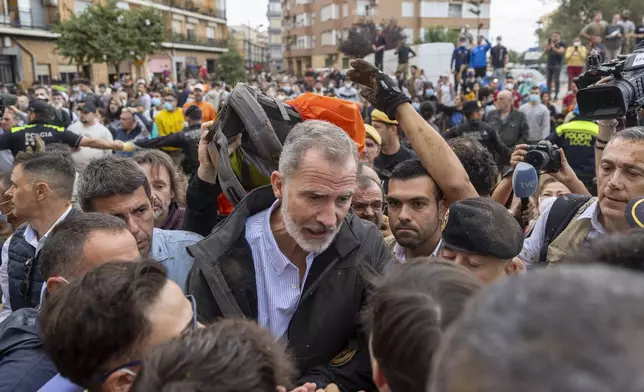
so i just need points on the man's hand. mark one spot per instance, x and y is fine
(209, 154)
(118, 145)
(330, 388)
(380, 90)
(308, 387)
(518, 155)
(565, 175)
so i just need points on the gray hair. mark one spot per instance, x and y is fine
(635, 134)
(328, 138)
(110, 176)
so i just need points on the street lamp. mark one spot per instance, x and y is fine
(250, 60)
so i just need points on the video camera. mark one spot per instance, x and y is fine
(6, 100)
(622, 96)
(544, 156)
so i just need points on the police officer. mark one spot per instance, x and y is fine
(475, 128)
(482, 236)
(40, 116)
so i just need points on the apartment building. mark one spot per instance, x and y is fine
(312, 30)
(275, 47)
(195, 32)
(252, 45)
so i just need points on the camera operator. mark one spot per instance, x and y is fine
(620, 178)
(40, 124)
(577, 139)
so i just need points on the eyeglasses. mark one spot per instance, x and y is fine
(375, 205)
(25, 284)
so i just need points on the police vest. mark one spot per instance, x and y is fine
(578, 132)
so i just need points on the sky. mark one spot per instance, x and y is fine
(515, 20)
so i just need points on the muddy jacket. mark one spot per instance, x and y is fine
(324, 334)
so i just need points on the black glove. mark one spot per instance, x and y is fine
(380, 90)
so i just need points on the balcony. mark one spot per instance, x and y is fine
(196, 41)
(29, 18)
(192, 6)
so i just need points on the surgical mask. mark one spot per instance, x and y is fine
(76, 89)
(488, 74)
(529, 80)
(545, 203)
(509, 86)
(416, 106)
(170, 85)
(347, 84)
(156, 102)
(331, 85)
(577, 43)
(534, 98)
(429, 92)
(168, 106)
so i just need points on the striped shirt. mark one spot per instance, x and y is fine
(278, 280)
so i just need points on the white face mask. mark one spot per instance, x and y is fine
(545, 203)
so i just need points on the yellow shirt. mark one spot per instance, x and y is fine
(576, 57)
(168, 123)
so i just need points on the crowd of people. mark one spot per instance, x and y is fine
(156, 240)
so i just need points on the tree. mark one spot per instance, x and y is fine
(231, 65)
(361, 36)
(572, 15)
(514, 57)
(441, 34)
(109, 34)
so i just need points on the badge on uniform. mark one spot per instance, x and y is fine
(344, 357)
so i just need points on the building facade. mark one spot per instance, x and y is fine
(195, 32)
(275, 47)
(312, 30)
(252, 45)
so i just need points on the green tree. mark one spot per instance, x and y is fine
(514, 57)
(440, 34)
(109, 34)
(231, 65)
(572, 15)
(362, 33)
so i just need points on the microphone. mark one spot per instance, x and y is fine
(525, 183)
(635, 212)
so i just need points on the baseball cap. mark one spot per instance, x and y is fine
(38, 106)
(88, 107)
(377, 115)
(199, 86)
(471, 107)
(482, 226)
(373, 133)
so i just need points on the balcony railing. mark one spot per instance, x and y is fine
(30, 18)
(190, 40)
(190, 5)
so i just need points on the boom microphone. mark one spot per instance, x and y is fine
(525, 182)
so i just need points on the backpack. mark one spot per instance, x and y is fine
(561, 213)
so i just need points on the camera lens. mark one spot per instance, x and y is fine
(538, 159)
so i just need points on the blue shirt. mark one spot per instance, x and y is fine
(169, 249)
(478, 55)
(60, 384)
(278, 280)
(123, 136)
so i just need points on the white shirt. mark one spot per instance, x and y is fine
(532, 245)
(278, 280)
(32, 239)
(86, 154)
(401, 253)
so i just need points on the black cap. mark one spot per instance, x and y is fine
(38, 106)
(635, 212)
(482, 226)
(471, 107)
(194, 113)
(88, 107)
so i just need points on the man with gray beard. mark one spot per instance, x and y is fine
(291, 254)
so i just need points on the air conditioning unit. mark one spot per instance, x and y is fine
(50, 3)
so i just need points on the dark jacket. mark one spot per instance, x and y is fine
(577, 139)
(485, 134)
(201, 213)
(188, 141)
(513, 129)
(24, 365)
(324, 334)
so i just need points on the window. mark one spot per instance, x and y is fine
(361, 7)
(455, 10)
(345, 63)
(210, 32)
(302, 1)
(407, 9)
(314, 41)
(211, 65)
(303, 42)
(176, 27)
(81, 5)
(275, 7)
(421, 34)
(190, 32)
(329, 12)
(345, 10)
(433, 9)
(43, 72)
(328, 38)
(314, 16)
(124, 5)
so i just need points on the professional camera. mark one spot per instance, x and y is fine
(622, 96)
(544, 156)
(6, 100)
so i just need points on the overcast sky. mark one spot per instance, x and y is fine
(515, 20)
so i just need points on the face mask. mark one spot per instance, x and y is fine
(156, 102)
(347, 85)
(76, 89)
(416, 106)
(170, 85)
(529, 80)
(429, 92)
(534, 98)
(57, 105)
(168, 106)
(509, 86)
(488, 74)
(546, 202)
(577, 43)
(331, 85)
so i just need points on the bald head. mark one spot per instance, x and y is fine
(366, 171)
(504, 100)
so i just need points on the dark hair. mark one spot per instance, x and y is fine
(159, 159)
(407, 313)
(83, 81)
(56, 169)
(100, 318)
(411, 169)
(5, 180)
(622, 250)
(193, 113)
(232, 354)
(484, 93)
(58, 147)
(427, 109)
(169, 93)
(110, 176)
(478, 163)
(62, 254)
(548, 330)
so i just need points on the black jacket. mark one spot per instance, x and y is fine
(513, 129)
(324, 334)
(485, 134)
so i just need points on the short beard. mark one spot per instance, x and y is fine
(292, 228)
